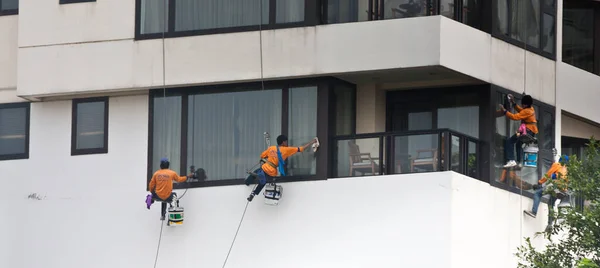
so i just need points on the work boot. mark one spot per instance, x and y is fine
(531, 214)
(250, 197)
(162, 218)
(510, 163)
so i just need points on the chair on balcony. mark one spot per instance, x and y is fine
(361, 162)
(426, 157)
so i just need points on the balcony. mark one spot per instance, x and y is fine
(406, 152)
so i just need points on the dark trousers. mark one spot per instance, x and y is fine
(537, 198)
(509, 147)
(262, 180)
(163, 205)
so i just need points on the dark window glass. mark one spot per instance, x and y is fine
(405, 9)
(472, 13)
(9, 4)
(340, 11)
(525, 15)
(288, 11)
(302, 128)
(461, 119)
(225, 130)
(90, 125)
(447, 8)
(154, 13)
(502, 18)
(578, 38)
(548, 33)
(344, 110)
(13, 131)
(167, 132)
(213, 14)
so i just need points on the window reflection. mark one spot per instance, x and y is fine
(578, 38)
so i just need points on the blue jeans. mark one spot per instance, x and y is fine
(537, 198)
(509, 147)
(262, 180)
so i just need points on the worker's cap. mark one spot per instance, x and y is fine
(164, 160)
(563, 159)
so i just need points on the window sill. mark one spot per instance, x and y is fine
(65, 2)
(213, 183)
(9, 12)
(520, 45)
(89, 151)
(14, 157)
(140, 36)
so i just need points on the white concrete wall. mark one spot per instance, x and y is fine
(578, 91)
(572, 127)
(488, 224)
(124, 64)
(50, 23)
(9, 29)
(91, 212)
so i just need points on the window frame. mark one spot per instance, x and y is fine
(543, 107)
(325, 87)
(101, 150)
(27, 106)
(64, 2)
(8, 12)
(311, 17)
(544, 9)
(595, 7)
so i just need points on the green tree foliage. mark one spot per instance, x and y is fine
(573, 240)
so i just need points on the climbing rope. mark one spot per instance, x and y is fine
(236, 233)
(525, 39)
(158, 247)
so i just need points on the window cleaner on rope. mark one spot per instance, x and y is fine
(161, 189)
(273, 162)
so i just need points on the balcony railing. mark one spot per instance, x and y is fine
(406, 152)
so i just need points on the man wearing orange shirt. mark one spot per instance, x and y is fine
(275, 161)
(161, 185)
(526, 115)
(558, 170)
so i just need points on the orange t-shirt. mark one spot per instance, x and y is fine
(162, 182)
(271, 155)
(527, 116)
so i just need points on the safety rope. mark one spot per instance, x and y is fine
(164, 128)
(158, 247)
(236, 233)
(525, 39)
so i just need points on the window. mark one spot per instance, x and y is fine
(75, 1)
(581, 20)
(195, 17)
(220, 129)
(527, 21)
(9, 7)
(14, 131)
(89, 126)
(505, 128)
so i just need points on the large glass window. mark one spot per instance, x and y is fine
(166, 132)
(578, 37)
(302, 128)
(89, 126)
(225, 130)
(9, 7)
(220, 130)
(14, 131)
(526, 21)
(524, 176)
(207, 16)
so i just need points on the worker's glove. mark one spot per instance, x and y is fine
(554, 176)
(537, 186)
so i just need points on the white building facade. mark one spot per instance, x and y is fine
(403, 96)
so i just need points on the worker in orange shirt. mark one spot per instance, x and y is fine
(161, 185)
(275, 161)
(558, 170)
(526, 114)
